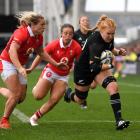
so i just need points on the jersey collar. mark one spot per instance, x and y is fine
(30, 31)
(62, 45)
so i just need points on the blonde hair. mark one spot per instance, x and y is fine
(27, 17)
(105, 22)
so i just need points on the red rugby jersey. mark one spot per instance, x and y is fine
(61, 54)
(27, 41)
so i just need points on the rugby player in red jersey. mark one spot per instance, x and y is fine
(24, 41)
(53, 79)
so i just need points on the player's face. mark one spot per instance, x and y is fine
(84, 21)
(108, 34)
(67, 35)
(39, 27)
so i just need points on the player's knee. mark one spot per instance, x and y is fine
(34, 90)
(21, 99)
(81, 94)
(53, 101)
(93, 85)
(112, 88)
(108, 80)
(35, 94)
(15, 98)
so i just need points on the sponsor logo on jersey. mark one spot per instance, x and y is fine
(65, 60)
(79, 38)
(48, 74)
(81, 82)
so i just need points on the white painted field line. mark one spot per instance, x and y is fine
(86, 121)
(21, 116)
(129, 84)
(25, 119)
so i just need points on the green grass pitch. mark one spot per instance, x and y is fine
(70, 122)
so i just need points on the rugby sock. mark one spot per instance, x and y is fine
(116, 106)
(6, 118)
(37, 114)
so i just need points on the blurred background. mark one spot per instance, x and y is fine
(126, 13)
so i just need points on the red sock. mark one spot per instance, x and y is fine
(5, 118)
(38, 114)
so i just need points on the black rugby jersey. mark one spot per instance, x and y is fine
(94, 47)
(97, 45)
(80, 37)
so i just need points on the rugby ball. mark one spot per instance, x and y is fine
(106, 57)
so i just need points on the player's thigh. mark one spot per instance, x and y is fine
(82, 87)
(42, 87)
(23, 91)
(10, 77)
(82, 80)
(58, 89)
(102, 75)
(93, 85)
(13, 83)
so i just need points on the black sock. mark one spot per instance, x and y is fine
(116, 106)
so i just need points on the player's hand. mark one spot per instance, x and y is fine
(122, 52)
(62, 65)
(107, 66)
(29, 70)
(22, 71)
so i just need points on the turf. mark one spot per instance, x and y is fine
(70, 122)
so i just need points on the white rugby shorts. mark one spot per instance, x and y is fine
(7, 69)
(48, 74)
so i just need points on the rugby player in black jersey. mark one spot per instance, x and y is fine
(81, 36)
(89, 68)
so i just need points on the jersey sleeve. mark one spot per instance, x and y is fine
(20, 36)
(90, 45)
(93, 43)
(92, 53)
